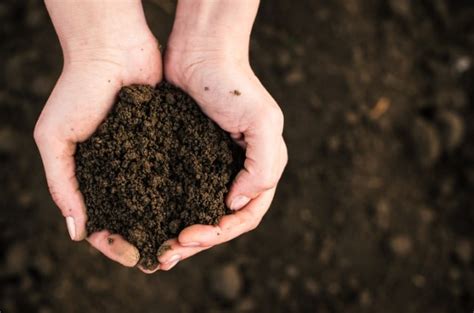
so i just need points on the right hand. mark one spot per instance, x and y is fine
(80, 101)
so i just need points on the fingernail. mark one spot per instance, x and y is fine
(175, 258)
(190, 244)
(173, 264)
(132, 256)
(71, 227)
(239, 202)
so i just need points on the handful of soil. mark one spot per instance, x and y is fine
(156, 165)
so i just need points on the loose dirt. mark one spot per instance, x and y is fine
(156, 165)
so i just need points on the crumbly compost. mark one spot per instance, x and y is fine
(156, 165)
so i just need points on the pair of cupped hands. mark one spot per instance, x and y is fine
(209, 70)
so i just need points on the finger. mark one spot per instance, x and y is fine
(230, 226)
(59, 165)
(265, 159)
(115, 248)
(175, 253)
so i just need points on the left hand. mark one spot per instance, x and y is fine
(219, 77)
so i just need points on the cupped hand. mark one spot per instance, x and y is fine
(225, 87)
(80, 101)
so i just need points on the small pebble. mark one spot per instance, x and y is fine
(284, 58)
(426, 215)
(334, 288)
(401, 245)
(42, 85)
(427, 144)
(365, 298)
(312, 286)
(464, 251)
(295, 76)
(44, 264)
(451, 129)
(463, 64)
(16, 258)
(284, 289)
(419, 281)
(401, 7)
(382, 216)
(97, 284)
(226, 282)
(246, 305)
(292, 271)
(8, 139)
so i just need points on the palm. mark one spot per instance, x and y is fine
(90, 92)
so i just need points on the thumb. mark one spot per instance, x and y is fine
(265, 159)
(59, 165)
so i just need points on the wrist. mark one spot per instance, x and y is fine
(98, 28)
(219, 27)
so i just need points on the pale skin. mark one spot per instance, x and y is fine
(107, 44)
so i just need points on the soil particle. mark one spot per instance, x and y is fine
(16, 259)
(380, 108)
(451, 127)
(42, 85)
(464, 251)
(401, 7)
(365, 298)
(96, 284)
(426, 215)
(226, 282)
(294, 76)
(312, 286)
(427, 143)
(156, 165)
(8, 140)
(419, 280)
(463, 64)
(292, 271)
(44, 264)
(382, 217)
(401, 245)
(246, 305)
(45, 310)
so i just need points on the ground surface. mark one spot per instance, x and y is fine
(375, 210)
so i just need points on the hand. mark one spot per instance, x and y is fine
(96, 66)
(218, 76)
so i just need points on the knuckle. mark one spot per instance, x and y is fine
(253, 224)
(275, 117)
(38, 134)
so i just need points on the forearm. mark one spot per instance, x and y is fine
(223, 23)
(92, 24)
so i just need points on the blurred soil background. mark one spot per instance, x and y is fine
(375, 212)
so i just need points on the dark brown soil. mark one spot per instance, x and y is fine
(156, 165)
